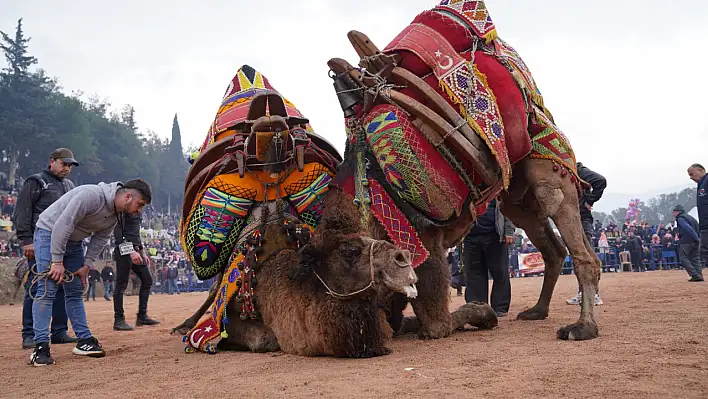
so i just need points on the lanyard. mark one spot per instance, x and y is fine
(122, 226)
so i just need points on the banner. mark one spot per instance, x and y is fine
(531, 263)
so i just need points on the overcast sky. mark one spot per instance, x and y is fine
(624, 79)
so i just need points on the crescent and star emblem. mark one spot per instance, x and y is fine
(201, 338)
(447, 65)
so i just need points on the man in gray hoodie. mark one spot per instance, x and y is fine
(86, 211)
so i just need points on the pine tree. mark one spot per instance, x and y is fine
(23, 97)
(176, 142)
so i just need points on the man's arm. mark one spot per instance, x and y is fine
(509, 228)
(687, 229)
(131, 228)
(98, 242)
(78, 207)
(23, 211)
(598, 184)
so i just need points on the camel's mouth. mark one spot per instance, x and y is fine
(403, 284)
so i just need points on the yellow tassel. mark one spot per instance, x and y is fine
(491, 36)
(224, 334)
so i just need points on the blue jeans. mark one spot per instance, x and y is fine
(47, 288)
(59, 317)
(91, 292)
(108, 288)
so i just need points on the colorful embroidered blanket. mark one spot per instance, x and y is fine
(237, 99)
(304, 193)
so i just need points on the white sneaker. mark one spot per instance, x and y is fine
(598, 300)
(576, 299)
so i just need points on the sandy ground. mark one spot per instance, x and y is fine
(653, 344)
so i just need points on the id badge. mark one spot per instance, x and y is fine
(126, 248)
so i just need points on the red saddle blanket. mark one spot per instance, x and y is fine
(451, 55)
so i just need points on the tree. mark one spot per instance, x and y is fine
(24, 97)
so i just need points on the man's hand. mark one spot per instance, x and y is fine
(83, 274)
(588, 207)
(56, 272)
(148, 262)
(29, 251)
(136, 258)
(509, 239)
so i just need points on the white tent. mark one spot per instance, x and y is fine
(694, 212)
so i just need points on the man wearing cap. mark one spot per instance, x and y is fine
(688, 243)
(38, 192)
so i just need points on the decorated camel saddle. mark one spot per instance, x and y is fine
(437, 119)
(261, 163)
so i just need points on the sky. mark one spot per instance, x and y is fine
(624, 79)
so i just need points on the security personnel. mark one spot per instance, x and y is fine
(38, 192)
(130, 255)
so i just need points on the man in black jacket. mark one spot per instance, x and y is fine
(597, 184)
(38, 192)
(697, 173)
(486, 252)
(107, 277)
(130, 255)
(688, 243)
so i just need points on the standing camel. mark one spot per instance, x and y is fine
(442, 120)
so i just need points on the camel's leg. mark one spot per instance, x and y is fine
(587, 269)
(432, 304)
(542, 236)
(397, 304)
(248, 335)
(476, 314)
(192, 321)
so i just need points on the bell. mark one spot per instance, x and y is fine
(347, 93)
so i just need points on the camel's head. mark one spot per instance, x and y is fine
(347, 262)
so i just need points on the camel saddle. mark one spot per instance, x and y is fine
(437, 119)
(258, 151)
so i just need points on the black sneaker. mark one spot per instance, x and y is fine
(64, 339)
(121, 325)
(145, 321)
(41, 356)
(28, 343)
(89, 347)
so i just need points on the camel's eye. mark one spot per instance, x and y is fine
(349, 251)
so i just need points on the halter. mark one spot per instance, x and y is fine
(370, 285)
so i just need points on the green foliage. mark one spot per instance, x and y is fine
(36, 117)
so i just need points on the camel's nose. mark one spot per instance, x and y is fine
(402, 258)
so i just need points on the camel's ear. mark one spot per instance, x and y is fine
(309, 258)
(340, 218)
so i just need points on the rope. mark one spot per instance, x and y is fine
(68, 277)
(371, 283)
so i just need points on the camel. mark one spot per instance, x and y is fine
(281, 289)
(445, 118)
(322, 300)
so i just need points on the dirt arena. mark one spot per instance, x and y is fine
(653, 344)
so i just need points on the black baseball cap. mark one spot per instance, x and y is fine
(65, 155)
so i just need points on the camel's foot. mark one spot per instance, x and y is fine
(409, 324)
(383, 351)
(476, 314)
(267, 343)
(578, 331)
(535, 313)
(184, 328)
(435, 330)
